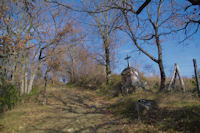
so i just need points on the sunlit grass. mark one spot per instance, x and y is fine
(177, 112)
(78, 110)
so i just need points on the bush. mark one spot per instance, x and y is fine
(8, 95)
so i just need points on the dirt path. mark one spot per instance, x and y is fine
(69, 110)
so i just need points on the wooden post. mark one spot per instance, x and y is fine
(127, 58)
(173, 80)
(196, 76)
(180, 78)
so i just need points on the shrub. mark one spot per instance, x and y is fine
(8, 95)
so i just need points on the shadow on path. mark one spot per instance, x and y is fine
(75, 111)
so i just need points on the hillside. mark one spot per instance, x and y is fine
(77, 110)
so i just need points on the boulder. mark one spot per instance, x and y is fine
(149, 105)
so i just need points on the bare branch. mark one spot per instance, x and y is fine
(143, 6)
(135, 41)
(194, 2)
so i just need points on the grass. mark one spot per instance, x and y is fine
(177, 112)
(72, 109)
(68, 110)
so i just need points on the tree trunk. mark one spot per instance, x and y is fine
(160, 59)
(22, 87)
(108, 69)
(32, 77)
(196, 76)
(22, 81)
(26, 82)
(45, 88)
(13, 72)
(162, 75)
(30, 85)
(72, 78)
(160, 62)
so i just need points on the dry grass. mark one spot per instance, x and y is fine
(69, 110)
(77, 110)
(177, 112)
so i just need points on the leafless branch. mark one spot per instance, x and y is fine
(143, 6)
(132, 35)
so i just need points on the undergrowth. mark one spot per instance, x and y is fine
(9, 95)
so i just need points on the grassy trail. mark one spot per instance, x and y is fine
(68, 110)
(71, 110)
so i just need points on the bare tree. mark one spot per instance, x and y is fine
(146, 30)
(105, 23)
(16, 34)
(183, 18)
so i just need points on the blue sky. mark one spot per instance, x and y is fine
(173, 52)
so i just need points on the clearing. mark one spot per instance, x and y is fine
(72, 110)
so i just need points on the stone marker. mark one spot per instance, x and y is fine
(130, 80)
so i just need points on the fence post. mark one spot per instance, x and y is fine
(196, 76)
